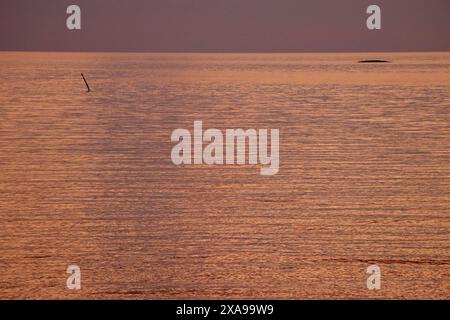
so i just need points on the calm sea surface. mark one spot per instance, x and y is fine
(87, 178)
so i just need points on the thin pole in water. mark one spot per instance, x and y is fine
(89, 89)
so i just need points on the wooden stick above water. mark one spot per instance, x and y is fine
(87, 85)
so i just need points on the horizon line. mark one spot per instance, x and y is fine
(224, 51)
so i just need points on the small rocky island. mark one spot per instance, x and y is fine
(373, 61)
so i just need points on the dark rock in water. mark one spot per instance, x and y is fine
(372, 61)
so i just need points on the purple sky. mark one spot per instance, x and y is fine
(225, 25)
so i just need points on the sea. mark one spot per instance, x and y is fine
(87, 179)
